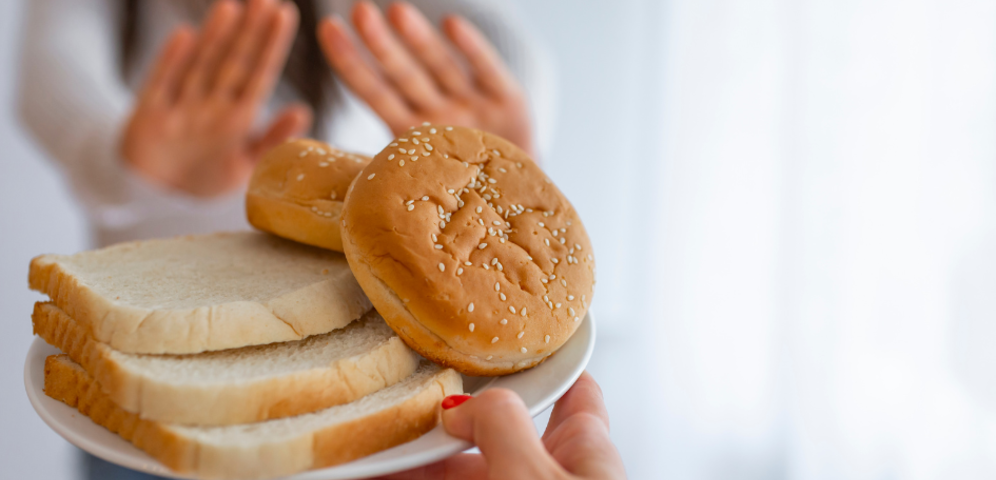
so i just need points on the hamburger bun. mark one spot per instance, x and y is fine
(297, 189)
(468, 250)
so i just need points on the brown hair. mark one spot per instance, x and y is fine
(306, 70)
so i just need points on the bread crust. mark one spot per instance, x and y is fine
(224, 403)
(323, 306)
(297, 189)
(322, 447)
(468, 250)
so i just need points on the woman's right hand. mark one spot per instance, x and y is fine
(191, 129)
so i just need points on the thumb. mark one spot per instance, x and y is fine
(293, 121)
(499, 424)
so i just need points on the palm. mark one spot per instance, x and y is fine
(416, 76)
(192, 127)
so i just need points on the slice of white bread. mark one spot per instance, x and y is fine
(199, 293)
(242, 385)
(378, 421)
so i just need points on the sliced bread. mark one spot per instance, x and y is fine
(199, 293)
(241, 385)
(378, 421)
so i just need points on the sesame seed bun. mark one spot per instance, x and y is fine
(297, 189)
(413, 221)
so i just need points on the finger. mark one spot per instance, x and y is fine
(460, 467)
(216, 35)
(162, 84)
(426, 43)
(499, 424)
(585, 396)
(293, 121)
(241, 57)
(488, 67)
(399, 66)
(360, 77)
(271, 62)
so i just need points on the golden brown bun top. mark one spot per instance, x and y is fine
(439, 197)
(303, 170)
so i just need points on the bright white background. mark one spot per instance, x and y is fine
(793, 205)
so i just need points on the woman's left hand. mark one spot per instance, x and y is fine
(416, 77)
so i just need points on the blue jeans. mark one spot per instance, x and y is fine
(97, 469)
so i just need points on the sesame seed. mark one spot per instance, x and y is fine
(479, 209)
(442, 267)
(481, 221)
(411, 207)
(302, 154)
(497, 286)
(547, 339)
(541, 224)
(496, 152)
(442, 224)
(390, 157)
(547, 240)
(518, 164)
(501, 240)
(459, 270)
(523, 350)
(449, 128)
(492, 181)
(563, 240)
(582, 298)
(494, 260)
(411, 151)
(471, 327)
(489, 357)
(563, 282)
(451, 191)
(496, 223)
(333, 195)
(371, 176)
(555, 261)
(558, 305)
(520, 334)
(432, 130)
(394, 144)
(470, 308)
(300, 177)
(401, 150)
(502, 170)
(438, 247)
(481, 246)
(494, 340)
(511, 309)
(415, 141)
(320, 151)
(503, 321)
(577, 319)
(486, 267)
(314, 209)
(570, 297)
(416, 132)
(555, 233)
(486, 197)
(439, 208)
(425, 139)
(543, 280)
(467, 263)
(414, 158)
(401, 162)
(409, 202)
(425, 154)
(502, 296)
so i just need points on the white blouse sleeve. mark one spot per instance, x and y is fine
(72, 98)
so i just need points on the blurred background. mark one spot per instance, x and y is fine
(792, 204)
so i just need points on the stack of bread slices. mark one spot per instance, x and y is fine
(232, 355)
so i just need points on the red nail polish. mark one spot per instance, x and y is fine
(454, 401)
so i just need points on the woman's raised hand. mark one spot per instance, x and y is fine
(416, 77)
(191, 129)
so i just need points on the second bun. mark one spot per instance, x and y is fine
(468, 250)
(297, 190)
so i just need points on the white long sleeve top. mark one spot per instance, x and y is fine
(74, 100)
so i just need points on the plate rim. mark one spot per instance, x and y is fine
(349, 470)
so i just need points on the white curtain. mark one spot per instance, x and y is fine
(819, 243)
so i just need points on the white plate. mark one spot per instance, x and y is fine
(539, 387)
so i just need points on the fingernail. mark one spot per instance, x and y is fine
(454, 401)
